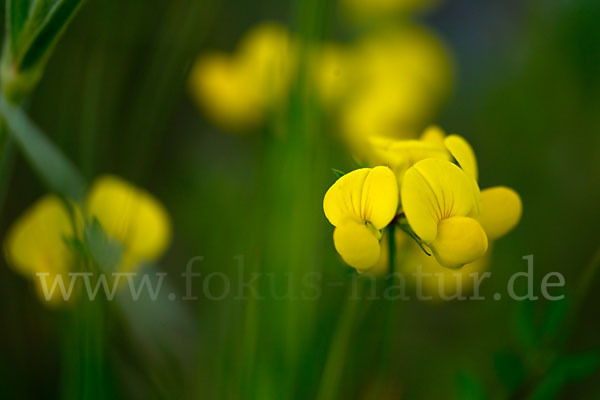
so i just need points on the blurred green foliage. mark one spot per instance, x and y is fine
(113, 99)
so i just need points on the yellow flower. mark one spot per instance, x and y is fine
(399, 79)
(399, 155)
(501, 207)
(496, 210)
(132, 217)
(360, 204)
(440, 201)
(237, 90)
(331, 73)
(38, 241)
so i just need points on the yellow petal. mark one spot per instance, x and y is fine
(501, 210)
(330, 71)
(224, 90)
(52, 294)
(404, 153)
(342, 200)
(379, 201)
(366, 194)
(432, 190)
(357, 243)
(36, 241)
(462, 151)
(459, 241)
(433, 134)
(267, 54)
(132, 217)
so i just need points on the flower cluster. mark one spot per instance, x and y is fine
(388, 81)
(41, 240)
(237, 90)
(429, 183)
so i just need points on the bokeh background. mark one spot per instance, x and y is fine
(115, 98)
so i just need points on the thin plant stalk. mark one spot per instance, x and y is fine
(336, 358)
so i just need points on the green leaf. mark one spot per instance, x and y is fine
(337, 172)
(575, 367)
(469, 387)
(16, 15)
(554, 317)
(34, 28)
(54, 16)
(524, 325)
(57, 172)
(403, 224)
(105, 252)
(510, 370)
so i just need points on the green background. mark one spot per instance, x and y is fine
(114, 99)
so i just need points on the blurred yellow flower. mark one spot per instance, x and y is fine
(399, 155)
(440, 201)
(38, 241)
(132, 217)
(395, 81)
(360, 204)
(237, 91)
(331, 72)
(429, 188)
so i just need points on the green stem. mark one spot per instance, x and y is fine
(387, 342)
(7, 161)
(336, 358)
(587, 278)
(84, 349)
(392, 249)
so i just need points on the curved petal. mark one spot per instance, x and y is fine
(501, 210)
(366, 194)
(131, 216)
(342, 200)
(432, 190)
(433, 134)
(460, 240)
(224, 89)
(356, 242)
(36, 241)
(379, 200)
(267, 54)
(462, 151)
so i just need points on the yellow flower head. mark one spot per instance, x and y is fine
(501, 207)
(439, 200)
(446, 209)
(399, 79)
(132, 217)
(237, 90)
(331, 73)
(360, 204)
(38, 241)
(402, 154)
